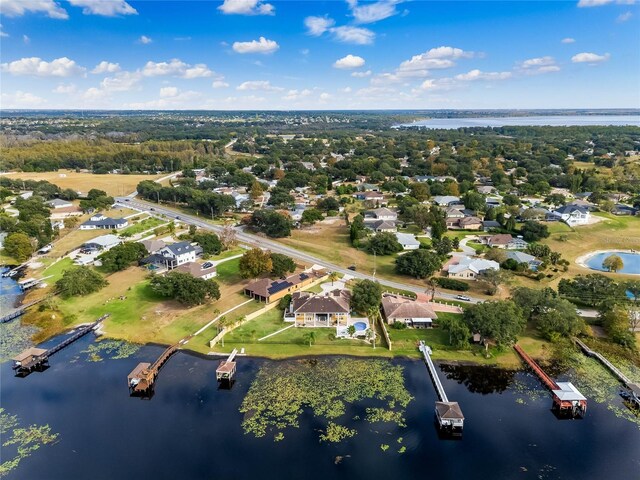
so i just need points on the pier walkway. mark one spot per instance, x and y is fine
(566, 397)
(633, 387)
(448, 414)
(18, 312)
(142, 378)
(36, 358)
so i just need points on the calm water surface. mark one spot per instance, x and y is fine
(538, 121)
(191, 429)
(631, 262)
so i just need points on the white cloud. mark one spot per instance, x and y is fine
(178, 68)
(262, 45)
(346, 90)
(316, 26)
(2, 33)
(121, 82)
(106, 67)
(60, 67)
(364, 74)
(476, 74)
(26, 40)
(436, 58)
(623, 17)
(168, 92)
(293, 95)
(587, 57)
(62, 88)
(568, 40)
(144, 40)
(219, 84)
(350, 61)
(263, 85)
(355, 35)
(324, 97)
(17, 8)
(600, 3)
(246, 7)
(106, 8)
(21, 99)
(373, 12)
(534, 66)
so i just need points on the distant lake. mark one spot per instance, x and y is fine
(532, 121)
(192, 430)
(631, 262)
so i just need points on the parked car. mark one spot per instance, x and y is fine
(352, 267)
(207, 265)
(463, 297)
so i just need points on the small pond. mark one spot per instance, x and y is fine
(630, 260)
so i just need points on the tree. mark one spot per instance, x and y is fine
(333, 276)
(616, 322)
(533, 231)
(418, 263)
(255, 262)
(351, 330)
(272, 223)
(80, 281)
(228, 237)
(474, 201)
(95, 193)
(492, 279)
(121, 256)
(458, 331)
(70, 222)
(310, 337)
(366, 294)
(384, 243)
(185, 288)
(311, 216)
(420, 191)
(18, 246)
(442, 246)
(594, 289)
(613, 263)
(558, 319)
(328, 204)
(501, 320)
(256, 190)
(281, 265)
(210, 242)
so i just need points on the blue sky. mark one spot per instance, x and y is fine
(252, 54)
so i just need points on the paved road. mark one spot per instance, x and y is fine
(262, 242)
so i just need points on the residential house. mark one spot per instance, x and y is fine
(446, 200)
(470, 223)
(268, 291)
(369, 196)
(500, 240)
(453, 215)
(488, 225)
(328, 309)
(621, 209)
(492, 202)
(101, 243)
(101, 221)
(469, 267)
(153, 245)
(411, 312)
(408, 241)
(380, 226)
(198, 270)
(381, 214)
(59, 203)
(485, 189)
(172, 256)
(572, 215)
(522, 257)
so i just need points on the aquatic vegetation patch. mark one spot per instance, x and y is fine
(111, 349)
(25, 440)
(282, 391)
(14, 338)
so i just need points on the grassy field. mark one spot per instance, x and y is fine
(142, 226)
(112, 184)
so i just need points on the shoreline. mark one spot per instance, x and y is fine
(582, 259)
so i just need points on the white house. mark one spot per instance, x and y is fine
(446, 200)
(382, 214)
(572, 215)
(102, 243)
(408, 241)
(177, 254)
(59, 203)
(470, 268)
(101, 221)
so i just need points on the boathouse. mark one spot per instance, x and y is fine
(30, 359)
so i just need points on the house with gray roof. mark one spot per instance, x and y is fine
(572, 215)
(408, 241)
(522, 257)
(469, 267)
(100, 221)
(59, 203)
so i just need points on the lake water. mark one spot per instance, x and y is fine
(538, 121)
(631, 262)
(191, 429)
(10, 292)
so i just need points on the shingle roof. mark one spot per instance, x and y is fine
(104, 240)
(337, 301)
(180, 248)
(476, 265)
(153, 245)
(106, 222)
(449, 410)
(195, 269)
(569, 209)
(398, 307)
(266, 287)
(500, 239)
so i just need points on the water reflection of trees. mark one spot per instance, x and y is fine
(477, 379)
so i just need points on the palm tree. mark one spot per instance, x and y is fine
(351, 330)
(333, 276)
(310, 337)
(370, 335)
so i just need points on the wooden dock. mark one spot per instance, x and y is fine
(226, 370)
(37, 358)
(142, 379)
(633, 395)
(566, 397)
(21, 310)
(448, 414)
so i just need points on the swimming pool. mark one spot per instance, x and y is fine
(360, 326)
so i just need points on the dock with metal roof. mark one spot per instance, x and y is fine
(449, 414)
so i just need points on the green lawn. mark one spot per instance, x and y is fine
(56, 270)
(142, 226)
(229, 272)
